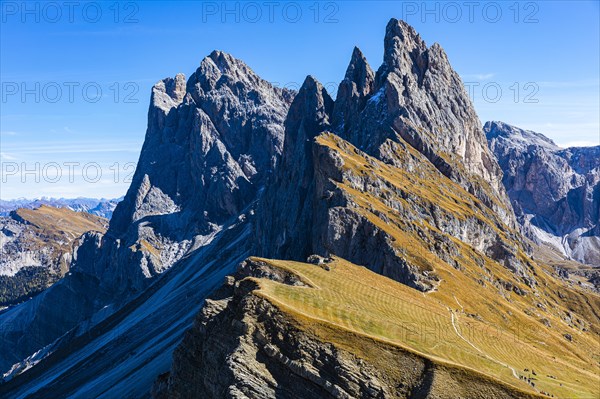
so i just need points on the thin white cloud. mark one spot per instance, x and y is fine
(581, 143)
(91, 147)
(569, 84)
(7, 157)
(479, 76)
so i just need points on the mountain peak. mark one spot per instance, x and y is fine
(403, 48)
(554, 191)
(353, 92)
(311, 107)
(401, 29)
(310, 83)
(220, 68)
(420, 99)
(293, 182)
(224, 61)
(408, 189)
(359, 72)
(497, 129)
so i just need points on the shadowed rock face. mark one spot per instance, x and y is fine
(209, 146)
(353, 93)
(288, 207)
(555, 191)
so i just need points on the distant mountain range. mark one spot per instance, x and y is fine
(555, 191)
(37, 247)
(99, 207)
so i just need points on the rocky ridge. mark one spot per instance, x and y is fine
(242, 346)
(397, 118)
(417, 96)
(210, 143)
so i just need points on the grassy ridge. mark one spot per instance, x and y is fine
(354, 299)
(481, 316)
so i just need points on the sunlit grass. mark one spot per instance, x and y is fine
(355, 299)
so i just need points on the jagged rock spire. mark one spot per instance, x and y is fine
(360, 73)
(420, 99)
(309, 114)
(353, 93)
(404, 50)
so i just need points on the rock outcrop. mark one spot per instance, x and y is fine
(292, 190)
(555, 191)
(418, 97)
(414, 116)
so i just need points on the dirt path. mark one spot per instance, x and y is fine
(514, 372)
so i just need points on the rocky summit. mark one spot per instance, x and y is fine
(279, 244)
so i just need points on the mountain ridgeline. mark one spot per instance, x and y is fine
(99, 207)
(380, 208)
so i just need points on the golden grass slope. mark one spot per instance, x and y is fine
(62, 220)
(351, 299)
(57, 228)
(540, 338)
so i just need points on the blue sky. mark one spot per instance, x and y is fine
(76, 79)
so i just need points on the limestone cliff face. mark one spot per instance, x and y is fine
(353, 93)
(394, 175)
(555, 191)
(418, 97)
(413, 116)
(210, 144)
(289, 217)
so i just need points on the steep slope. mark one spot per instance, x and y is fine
(416, 96)
(395, 175)
(555, 191)
(37, 246)
(209, 146)
(383, 186)
(335, 330)
(292, 190)
(120, 356)
(409, 127)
